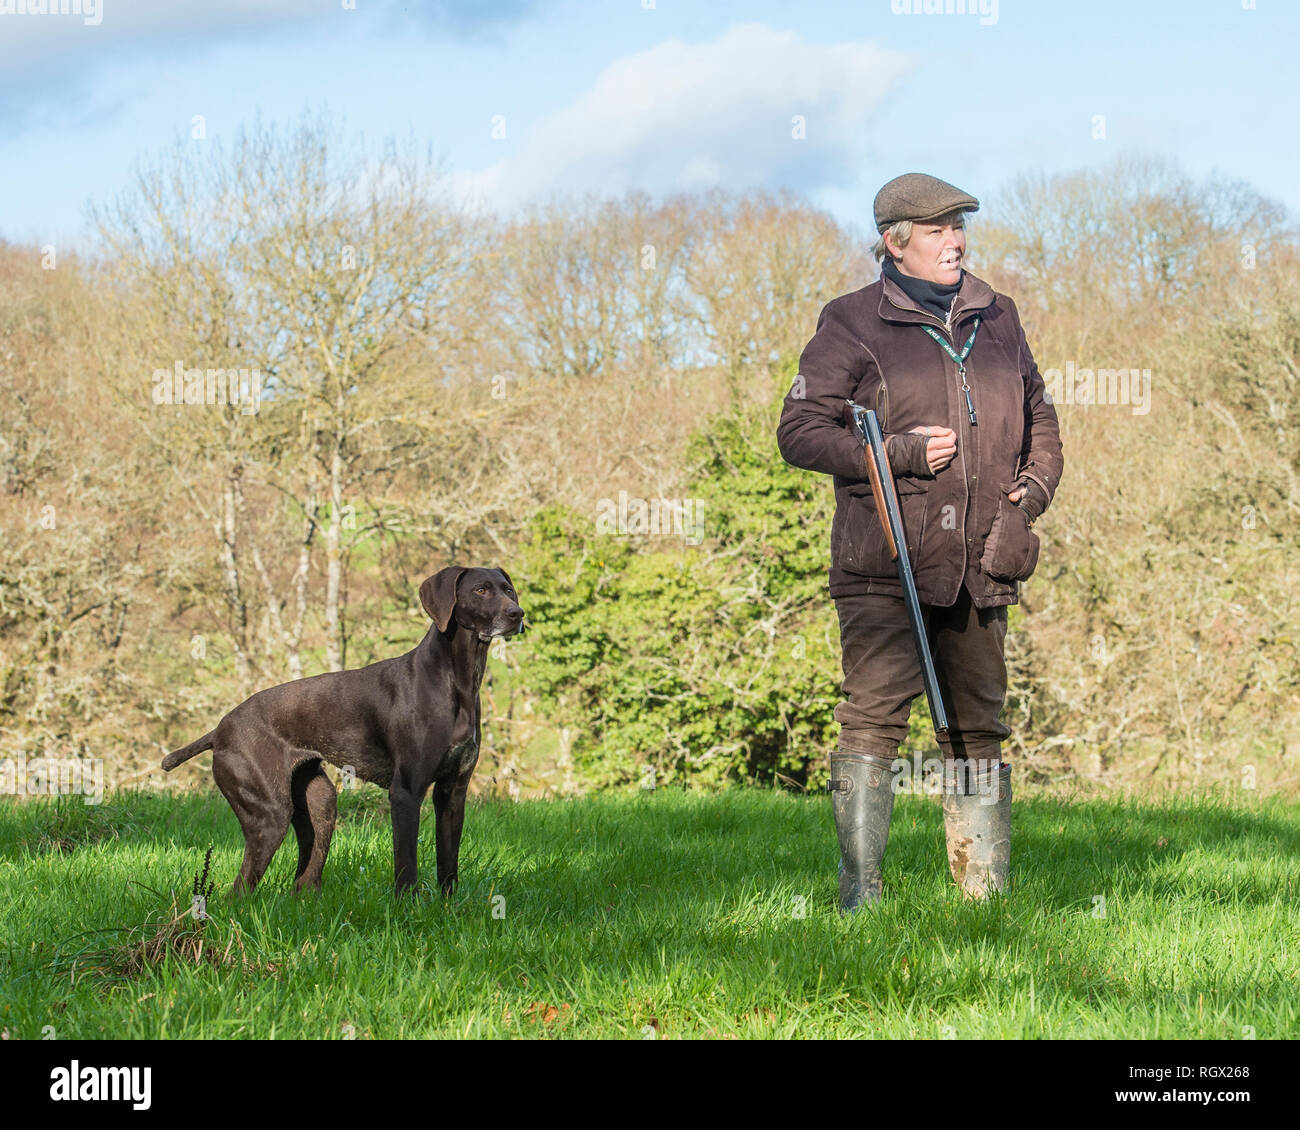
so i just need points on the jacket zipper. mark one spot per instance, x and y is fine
(962, 385)
(965, 483)
(964, 438)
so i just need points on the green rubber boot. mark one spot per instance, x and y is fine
(862, 788)
(977, 823)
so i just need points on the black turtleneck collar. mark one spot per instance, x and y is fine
(934, 297)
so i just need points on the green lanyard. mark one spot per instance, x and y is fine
(960, 358)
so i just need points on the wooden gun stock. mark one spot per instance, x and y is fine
(878, 491)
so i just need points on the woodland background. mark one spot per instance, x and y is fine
(447, 387)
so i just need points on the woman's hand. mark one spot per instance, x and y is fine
(1030, 497)
(941, 448)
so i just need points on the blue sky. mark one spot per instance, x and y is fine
(612, 94)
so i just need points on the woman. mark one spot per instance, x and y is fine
(975, 450)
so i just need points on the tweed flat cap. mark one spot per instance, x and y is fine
(918, 196)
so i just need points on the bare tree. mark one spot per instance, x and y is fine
(298, 257)
(765, 267)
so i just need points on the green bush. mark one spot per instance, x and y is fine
(703, 664)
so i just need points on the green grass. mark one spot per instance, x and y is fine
(662, 914)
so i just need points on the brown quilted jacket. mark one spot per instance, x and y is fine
(960, 527)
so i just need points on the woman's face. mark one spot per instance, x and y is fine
(933, 253)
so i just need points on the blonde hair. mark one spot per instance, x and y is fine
(901, 231)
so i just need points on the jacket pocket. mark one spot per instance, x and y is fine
(1011, 548)
(914, 505)
(858, 538)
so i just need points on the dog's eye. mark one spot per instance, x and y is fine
(481, 589)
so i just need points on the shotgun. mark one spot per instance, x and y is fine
(891, 519)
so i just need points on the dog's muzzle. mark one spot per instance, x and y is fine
(503, 632)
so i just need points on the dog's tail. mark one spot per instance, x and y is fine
(192, 750)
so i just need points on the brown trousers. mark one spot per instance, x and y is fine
(882, 674)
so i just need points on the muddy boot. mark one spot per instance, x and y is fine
(977, 821)
(863, 796)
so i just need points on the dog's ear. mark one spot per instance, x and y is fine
(507, 577)
(438, 595)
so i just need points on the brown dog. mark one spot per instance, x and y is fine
(404, 723)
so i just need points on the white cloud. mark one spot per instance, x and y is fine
(685, 116)
(49, 60)
(51, 63)
(32, 39)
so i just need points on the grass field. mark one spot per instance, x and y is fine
(657, 915)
